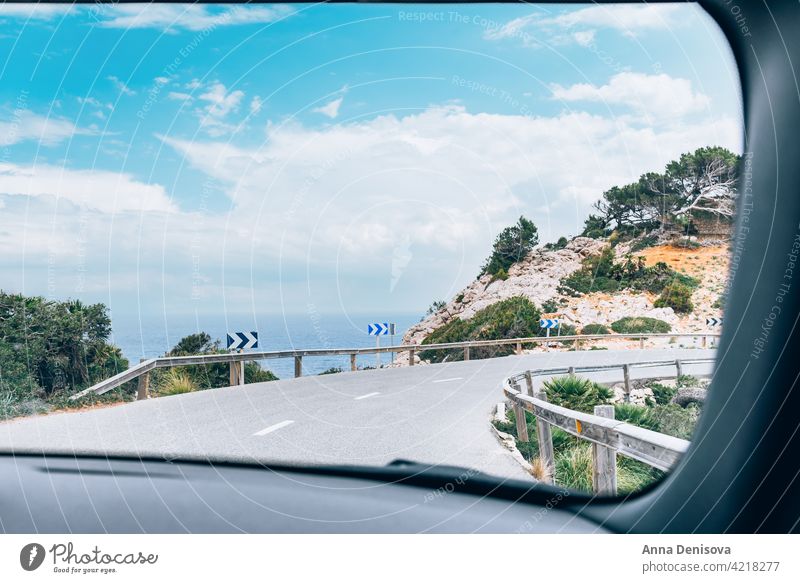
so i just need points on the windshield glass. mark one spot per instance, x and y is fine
(350, 234)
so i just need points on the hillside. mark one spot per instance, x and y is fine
(539, 276)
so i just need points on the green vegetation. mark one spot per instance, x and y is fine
(174, 381)
(640, 325)
(436, 306)
(209, 376)
(560, 244)
(50, 350)
(332, 370)
(601, 273)
(512, 318)
(573, 458)
(511, 245)
(677, 296)
(698, 184)
(590, 329)
(550, 306)
(576, 393)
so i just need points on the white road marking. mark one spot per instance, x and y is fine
(448, 380)
(272, 428)
(367, 396)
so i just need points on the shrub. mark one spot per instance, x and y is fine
(661, 393)
(604, 274)
(676, 420)
(574, 467)
(436, 306)
(644, 243)
(332, 370)
(640, 325)
(511, 318)
(576, 393)
(511, 245)
(550, 306)
(677, 296)
(636, 415)
(175, 382)
(590, 329)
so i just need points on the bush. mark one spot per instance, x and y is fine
(640, 325)
(601, 273)
(211, 376)
(332, 370)
(675, 420)
(576, 393)
(574, 467)
(644, 242)
(510, 246)
(677, 296)
(436, 306)
(590, 329)
(512, 318)
(550, 306)
(661, 393)
(175, 382)
(636, 415)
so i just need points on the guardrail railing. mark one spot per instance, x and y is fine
(237, 359)
(607, 436)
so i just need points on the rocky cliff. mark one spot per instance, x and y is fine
(539, 275)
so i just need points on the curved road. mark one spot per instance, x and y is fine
(436, 414)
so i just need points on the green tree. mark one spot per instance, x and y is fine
(56, 345)
(511, 245)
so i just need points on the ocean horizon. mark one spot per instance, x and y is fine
(152, 337)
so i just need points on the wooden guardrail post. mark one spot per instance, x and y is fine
(353, 366)
(604, 460)
(411, 357)
(679, 368)
(519, 347)
(571, 370)
(705, 341)
(641, 343)
(143, 386)
(544, 437)
(529, 382)
(466, 353)
(298, 366)
(626, 374)
(522, 425)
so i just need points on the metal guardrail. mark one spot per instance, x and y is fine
(607, 436)
(237, 359)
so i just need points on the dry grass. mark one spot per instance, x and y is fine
(694, 262)
(539, 470)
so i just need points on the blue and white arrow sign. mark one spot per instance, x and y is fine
(713, 321)
(548, 323)
(237, 340)
(380, 329)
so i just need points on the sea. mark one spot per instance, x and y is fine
(149, 337)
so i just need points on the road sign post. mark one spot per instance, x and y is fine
(242, 340)
(548, 324)
(379, 329)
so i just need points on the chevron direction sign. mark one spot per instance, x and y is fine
(380, 329)
(549, 323)
(713, 321)
(237, 340)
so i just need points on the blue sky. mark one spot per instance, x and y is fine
(202, 159)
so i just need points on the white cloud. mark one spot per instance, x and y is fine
(628, 19)
(121, 86)
(188, 16)
(330, 109)
(220, 101)
(25, 125)
(161, 80)
(655, 96)
(448, 178)
(100, 190)
(178, 96)
(34, 11)
(255, 105)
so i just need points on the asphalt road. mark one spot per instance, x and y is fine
(437, 414)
